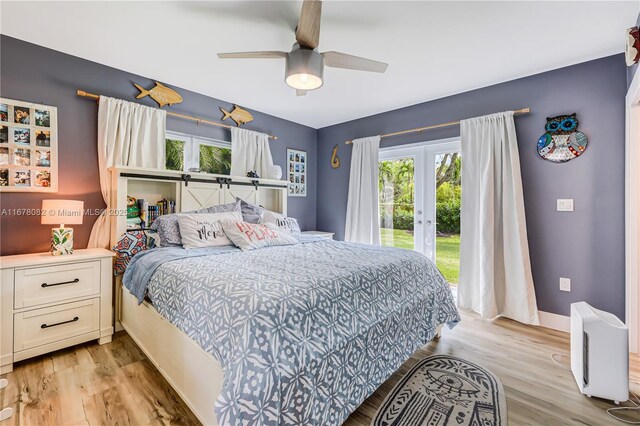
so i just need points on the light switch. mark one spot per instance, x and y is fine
(564, 205)
(565, 284)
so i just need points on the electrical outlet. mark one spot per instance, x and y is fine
(565, 284)
(564, 205)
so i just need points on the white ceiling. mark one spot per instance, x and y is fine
(434, 49)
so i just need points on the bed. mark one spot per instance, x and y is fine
(300, 334)
(296, 334)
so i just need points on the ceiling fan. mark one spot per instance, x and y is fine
(304, 67)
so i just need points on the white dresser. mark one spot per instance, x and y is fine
(51, 302)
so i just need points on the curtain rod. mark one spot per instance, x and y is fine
(173, 114)
(437, 126)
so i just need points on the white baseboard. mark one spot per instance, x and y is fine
(555, 321)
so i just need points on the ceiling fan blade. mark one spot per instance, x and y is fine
(265, 54)
(301, 92)
(308, 30)
(350, 62)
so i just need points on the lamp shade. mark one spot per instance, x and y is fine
(304, 69)
(62, 212)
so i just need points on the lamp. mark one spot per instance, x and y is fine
(62, 212)
(304, 69)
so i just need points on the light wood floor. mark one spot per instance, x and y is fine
(116, 384)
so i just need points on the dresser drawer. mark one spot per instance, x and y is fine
(47, 325)
(50, 284)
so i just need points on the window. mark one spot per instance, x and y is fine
(186, 152)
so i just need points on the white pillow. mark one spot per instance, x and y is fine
(288, 224)
(249, 236)
(204, 229)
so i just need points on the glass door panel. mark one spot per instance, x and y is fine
(447, 213)
(396, 179)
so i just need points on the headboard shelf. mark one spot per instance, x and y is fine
(190, 191)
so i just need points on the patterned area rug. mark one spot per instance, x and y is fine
(445, 390)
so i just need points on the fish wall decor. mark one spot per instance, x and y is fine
(335, 161)
(239, 115)
(161, 94)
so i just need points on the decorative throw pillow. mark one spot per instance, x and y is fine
(249, 236)
(250, 212)
(205, 229)
(289, 224)
(129, 244)
(169, 230)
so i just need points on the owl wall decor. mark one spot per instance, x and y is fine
(562, 141)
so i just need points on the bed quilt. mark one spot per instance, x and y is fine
(304, 333)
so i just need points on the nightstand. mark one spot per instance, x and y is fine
(51, 302)
(321, 234)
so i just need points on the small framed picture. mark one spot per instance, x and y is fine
(21, 136)
(43, 138)
(4, 113)
(4, 156)
(21, 115)
(22, 177)
(43, 158)
(297, 172)
(43, 118)
(4, 134)
(42, 179)
(28, 147)
(22, 157)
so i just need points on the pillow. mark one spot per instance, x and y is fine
(169, 230)
(250, 212)
(204, 229)
(222, 208)
(288, 224)
(129, 244)
(249, 236)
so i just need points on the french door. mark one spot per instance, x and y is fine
(420, 201)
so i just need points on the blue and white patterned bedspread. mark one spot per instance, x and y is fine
(304, 333)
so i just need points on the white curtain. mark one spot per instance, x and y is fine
(129, 134)
(495, 271)
(250, 152)
(363, 218)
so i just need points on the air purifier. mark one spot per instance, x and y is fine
(599, 353)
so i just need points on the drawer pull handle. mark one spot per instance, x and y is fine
(59, 323)
(45, 285)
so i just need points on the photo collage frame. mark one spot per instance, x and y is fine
(297, 172)
(28, 147)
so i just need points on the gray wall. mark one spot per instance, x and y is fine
(586, 245)
(35, 74)
(631, 71)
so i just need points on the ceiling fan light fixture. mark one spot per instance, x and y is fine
(304, 69)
